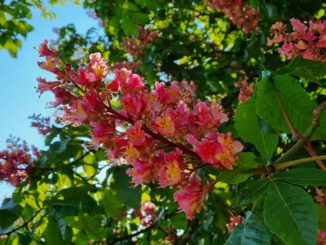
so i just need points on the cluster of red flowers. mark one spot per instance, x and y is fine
(164, 134)
(135, 46)
(241, 15)
(321, 196)
(246, 90)
(235, 220)
(16, 161)
(308, 41)
(41, 123)
(147, 213)
(321, 237)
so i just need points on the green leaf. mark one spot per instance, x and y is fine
(252, 190)
(3, 18)
(291, 214)
(253, 129)
(303, 176)
(75, 200)
(287, 91)
(121, 186)
(240, 172)
(52, 233)
(9, 212)
(12, 46)
(309, 69)
(111, 204)
(59, 146)
(252, 231)
(54, 132)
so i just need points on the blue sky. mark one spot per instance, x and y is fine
(18, 98)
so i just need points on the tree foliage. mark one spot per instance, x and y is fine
(253, 63)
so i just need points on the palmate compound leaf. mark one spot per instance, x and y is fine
(291, 214)
(75, 200)
(252, 190)
(287, 91)
(309, 69)
(252, 231)
(253, 129)
(112, 206)
(303, 176)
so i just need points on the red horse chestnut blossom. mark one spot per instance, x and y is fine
(241, 15)
(135, 46)
(41, 123)
(147, 213)
(235, 220)
(306, 40)
(16, 161)
(163, 134)
(246, 90)
(192, 196)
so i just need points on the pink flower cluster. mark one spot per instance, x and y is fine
(164, 134)
(135, 46)
(241, 15)
(306, 40)
(246, 90)
(16, 161)
(147, 213)
(42, 124)
(235, 220)
(321, 237)
(321, 196)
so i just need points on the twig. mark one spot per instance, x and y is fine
(25, 224)
(151, 227)
(303, 141)
(283, 165)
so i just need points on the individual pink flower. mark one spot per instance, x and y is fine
(218, 149)
(133, 104)
(44, 86)
(129, 82)
(113, 86)
(287, 49)
(141, 172)
(206, 116)
(45, 51)
(169, 169)
(322, 41)
(102, 132)
(192, 196)
(164, 125)
(135, 134)
(167, 95)
(298, 26)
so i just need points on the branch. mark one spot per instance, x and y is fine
(149, 228)
(304, 140)
(25, 224)
(283, 165)
(151, 133)
(80, 158)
